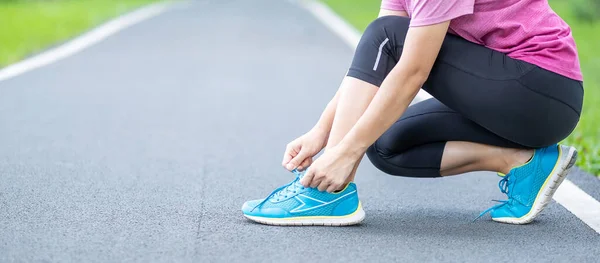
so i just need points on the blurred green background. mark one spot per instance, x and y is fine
(584, 18)
(29, 26)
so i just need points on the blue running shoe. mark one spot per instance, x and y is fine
(530, 187)
(294, 204)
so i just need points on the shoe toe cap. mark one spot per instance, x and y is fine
(501, 212)
(508, 211)
(249, 208)
(250, 205)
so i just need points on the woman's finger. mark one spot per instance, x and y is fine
(307, 178)
(297, 160)
(316, 181)
(324, 185)
(332, 188)
(289, 153)
(305, 164)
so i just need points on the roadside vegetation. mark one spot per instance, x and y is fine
(29, 26)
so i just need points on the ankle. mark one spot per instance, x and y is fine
(516, 157)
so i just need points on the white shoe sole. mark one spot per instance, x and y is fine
(352, 219)
(568, 156)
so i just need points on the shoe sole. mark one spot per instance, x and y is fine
(352, 219)
(548, 189)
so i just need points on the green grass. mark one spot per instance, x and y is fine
(359, 14)
(586, 137)
(29, 26)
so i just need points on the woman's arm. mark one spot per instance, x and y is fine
(326, 120)
(399, 88)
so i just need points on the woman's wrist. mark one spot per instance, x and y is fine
(319, 134)
(320, 130)
(353, 148)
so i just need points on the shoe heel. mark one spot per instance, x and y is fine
(573, 159)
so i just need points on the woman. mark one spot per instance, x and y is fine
(507, 88)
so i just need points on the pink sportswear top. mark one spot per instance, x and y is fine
(527, 30)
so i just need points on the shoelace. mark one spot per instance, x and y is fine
(284, 191)
(504, 186)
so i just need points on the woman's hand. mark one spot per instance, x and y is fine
(300, 152)
(331, 171)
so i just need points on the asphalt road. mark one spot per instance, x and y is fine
(144, 147)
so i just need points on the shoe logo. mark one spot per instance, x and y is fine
(308, 203)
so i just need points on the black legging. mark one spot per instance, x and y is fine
(480, 95)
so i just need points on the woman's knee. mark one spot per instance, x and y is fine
(378, 160)
(389, 24)
(396, 165)
(379, 49)
(394, 28)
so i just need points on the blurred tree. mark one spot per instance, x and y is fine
(587, 10)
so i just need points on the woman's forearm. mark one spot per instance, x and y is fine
(326, 120)
(399, 88)
(395, 94)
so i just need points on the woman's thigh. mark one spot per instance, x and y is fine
(430, 121)
(514, 99)
(510, 98)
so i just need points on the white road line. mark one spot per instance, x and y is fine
(568, 194)
(331, 20)
(579, 203)
(84, 41)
